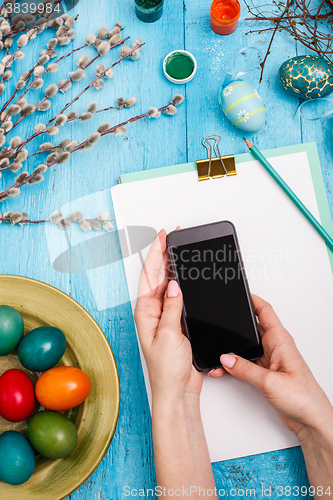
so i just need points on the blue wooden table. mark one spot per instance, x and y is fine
(148, 144)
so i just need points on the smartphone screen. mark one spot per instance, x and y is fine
(218, 310)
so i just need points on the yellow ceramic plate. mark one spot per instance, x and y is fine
(87, 348)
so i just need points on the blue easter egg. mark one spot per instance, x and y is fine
(11, 329)
(42, 348)
(307, 77)
(242, 104)
(17, 458)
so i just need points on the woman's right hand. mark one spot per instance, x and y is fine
(282, 375)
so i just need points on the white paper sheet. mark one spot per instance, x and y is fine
(286, 263)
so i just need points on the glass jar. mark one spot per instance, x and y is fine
(224, 15)
(149, 11)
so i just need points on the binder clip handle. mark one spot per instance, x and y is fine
(208, 146)
(213, 168)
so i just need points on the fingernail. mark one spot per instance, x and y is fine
(227, 360)
(211, 371)
(173, 289)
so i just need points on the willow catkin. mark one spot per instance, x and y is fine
(92, 107)
(83, 61)
(103, 127)
(91, 39)
(77, 75)
(51, 90)
(103, 48)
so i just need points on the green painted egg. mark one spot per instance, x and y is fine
(52, 434)
(11, 329)
(307, 77)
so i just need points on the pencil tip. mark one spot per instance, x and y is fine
(248, 143)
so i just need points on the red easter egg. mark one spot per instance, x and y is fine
(17, 397)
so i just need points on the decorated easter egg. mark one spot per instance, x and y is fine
(307, 77)
(242, 104)
(42, 348)
(11, 329)
(62, 388)
(17, 397)
(52, 434)
(17, 458)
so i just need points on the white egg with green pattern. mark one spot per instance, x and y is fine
(242, 104)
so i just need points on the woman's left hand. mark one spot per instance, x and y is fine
(158, 319)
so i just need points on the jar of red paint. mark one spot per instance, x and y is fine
(224, 15)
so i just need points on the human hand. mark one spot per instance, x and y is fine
(158, 319)
(281, 374)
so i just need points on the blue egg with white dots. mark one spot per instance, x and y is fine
(242, 104)
(17, 458)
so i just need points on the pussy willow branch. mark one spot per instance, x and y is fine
(36, 64)
(114, 128)
(36, 12)
(121, 58)
(69, 121)
(63, 85)
(36, 78)
(6, 219)
(17, 50)
(27, 78)
(55, 3)
(3, 194)
(122, 106)
(36, 134)
(64, 57)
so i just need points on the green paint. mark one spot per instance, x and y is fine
(149, 11)
(179, 66)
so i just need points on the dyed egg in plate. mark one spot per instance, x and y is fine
(17, 458)
(307, 77)
(95, 420)
(62, 388)
(242, 104)
(52, 434)
(42, 348)
(11, 329)
(17, 396)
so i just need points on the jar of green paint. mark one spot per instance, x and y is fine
(180, 66)
(149, 11)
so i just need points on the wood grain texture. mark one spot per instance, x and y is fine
(149, 144)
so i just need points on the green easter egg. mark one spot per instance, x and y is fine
(52, 434)
(11, 329)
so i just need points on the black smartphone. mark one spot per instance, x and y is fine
(218, 314)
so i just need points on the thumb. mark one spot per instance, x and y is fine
(245, 370)
(172, 307)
